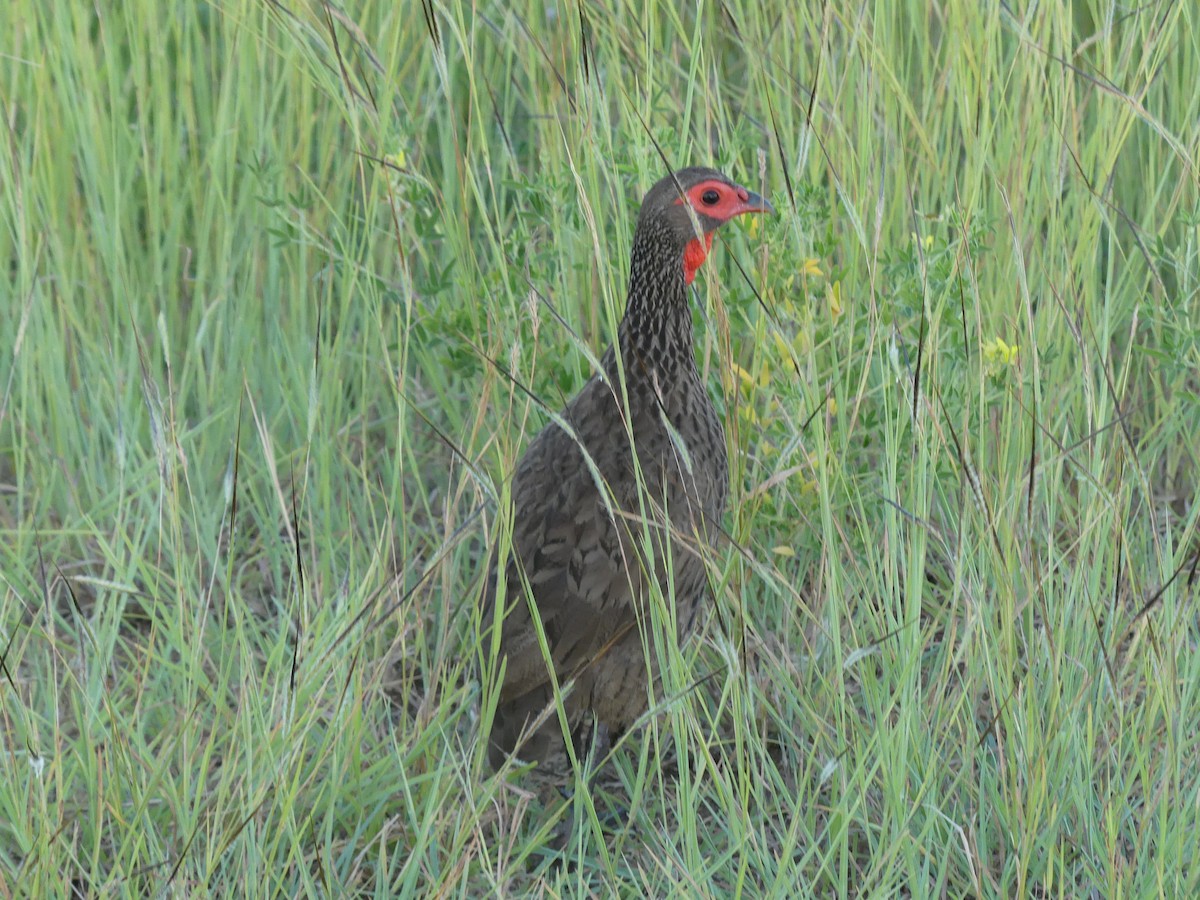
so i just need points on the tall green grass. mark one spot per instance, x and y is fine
(278, 275)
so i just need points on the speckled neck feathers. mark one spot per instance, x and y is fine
(656, 331)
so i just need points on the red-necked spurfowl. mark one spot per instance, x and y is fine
(589, 559)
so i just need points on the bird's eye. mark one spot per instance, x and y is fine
(710, 197)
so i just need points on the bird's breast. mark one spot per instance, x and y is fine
(686, 447)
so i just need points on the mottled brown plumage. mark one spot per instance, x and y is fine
(581, 550)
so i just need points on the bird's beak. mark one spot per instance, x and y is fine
(755, 203)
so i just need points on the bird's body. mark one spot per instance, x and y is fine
(644, 428)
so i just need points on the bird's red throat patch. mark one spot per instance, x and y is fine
(694, 255)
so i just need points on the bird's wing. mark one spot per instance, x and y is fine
(574, 549)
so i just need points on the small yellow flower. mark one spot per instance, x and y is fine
(835, 300)
(781, 346)
(745, 377)
(997, 354)
(928, 242)
(811, 267)
(801, 343)
(831, 407)
(783, 550)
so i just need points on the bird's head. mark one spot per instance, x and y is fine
(684, 210)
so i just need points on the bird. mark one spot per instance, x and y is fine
(626, 488)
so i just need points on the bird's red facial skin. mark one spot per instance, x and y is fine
(694, 255)
(720, 201)
(731, 200)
